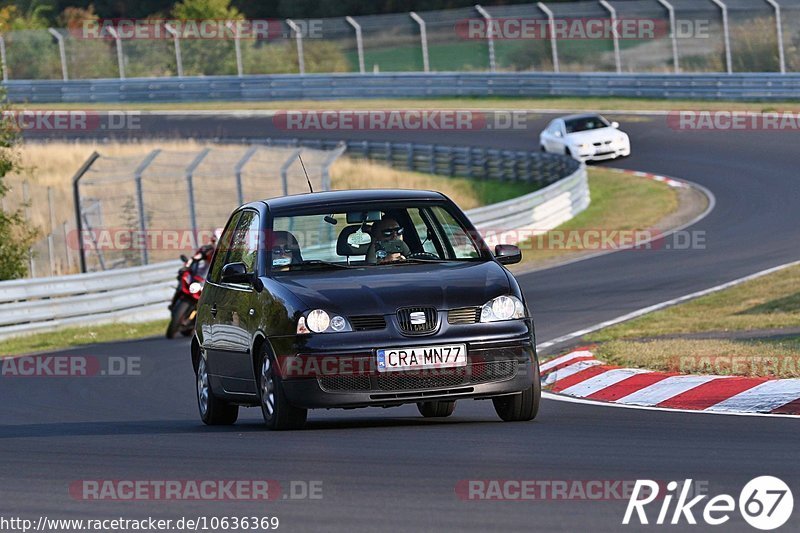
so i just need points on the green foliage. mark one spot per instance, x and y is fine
(16, 236)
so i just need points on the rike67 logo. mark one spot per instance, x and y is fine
(765, 503)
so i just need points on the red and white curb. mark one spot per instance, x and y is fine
(580, 375)
(672, 182)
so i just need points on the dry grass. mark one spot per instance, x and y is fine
(769, 302)
(779, 358)
(619, 202)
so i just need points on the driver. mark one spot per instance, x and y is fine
(387, 243)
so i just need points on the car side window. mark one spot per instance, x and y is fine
(244, 246)
(223, 246)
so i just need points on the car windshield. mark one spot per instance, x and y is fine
(370, 236)
(585, 124)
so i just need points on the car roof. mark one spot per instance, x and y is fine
(580, 115)
(331, 198)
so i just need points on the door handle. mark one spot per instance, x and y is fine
(214, 310)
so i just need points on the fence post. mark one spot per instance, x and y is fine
(62, 51)
(673, 34)
(120, 56)
(3, 61)
(178, 57)
(76, 196)
(489, 34)
(614, 33)
(237, 47)
(779, 26)
(190, 188)
(66, 246)
(551, 22)
(137, 174)
(298, 35)
(285, 170)
(726, 34)
(359, 42)
(238, 170)
(423, 38)
(329, 160)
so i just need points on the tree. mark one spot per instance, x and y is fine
(16, 235)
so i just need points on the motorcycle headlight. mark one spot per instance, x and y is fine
(502, 308)
(319, 321)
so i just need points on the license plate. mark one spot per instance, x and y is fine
(421, 357)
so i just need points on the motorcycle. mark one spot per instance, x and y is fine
(191, 277)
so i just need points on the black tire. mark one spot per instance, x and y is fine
(179, 311)
(278, 413)
(439, 409)
(521, 407)
(213, 411)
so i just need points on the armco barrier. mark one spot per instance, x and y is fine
(737, 86)
(141, 293)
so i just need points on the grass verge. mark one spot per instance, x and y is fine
(533, 104)
(355, 174)
(619, 202)
(69, 337)
(672, 339)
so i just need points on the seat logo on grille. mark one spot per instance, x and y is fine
(417, 318)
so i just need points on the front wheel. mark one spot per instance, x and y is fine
(439, 409)
(213, 411)
(179, 318)
(521, 407)
(278, 413)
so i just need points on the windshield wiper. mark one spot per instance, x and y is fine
(320, 262)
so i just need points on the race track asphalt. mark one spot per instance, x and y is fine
(392, 470)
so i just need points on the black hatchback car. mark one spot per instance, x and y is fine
(360, 298)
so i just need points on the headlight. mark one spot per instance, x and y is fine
(502, 308)
(319, 321)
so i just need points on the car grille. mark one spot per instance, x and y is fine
(406, 326)
(475, 373)
(345, 383)
(464, 315)
(367, 322)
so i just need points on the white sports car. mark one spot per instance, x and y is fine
(587, 137)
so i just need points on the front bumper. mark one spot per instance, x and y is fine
(348, 378)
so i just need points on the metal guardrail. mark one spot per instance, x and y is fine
(141, 293)
(462, 161)
(737, 86)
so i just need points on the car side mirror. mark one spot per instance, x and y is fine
(615, 124)
(507, 254)
(237, 273)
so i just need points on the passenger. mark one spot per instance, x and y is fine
(285, 251)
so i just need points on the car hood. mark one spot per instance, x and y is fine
(593, 136)
(384, 289)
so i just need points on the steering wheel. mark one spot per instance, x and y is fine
(423, 255)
